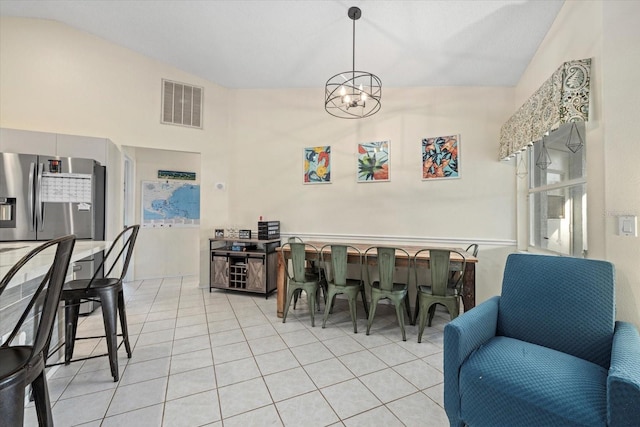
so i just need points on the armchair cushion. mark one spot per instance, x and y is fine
(535, 386)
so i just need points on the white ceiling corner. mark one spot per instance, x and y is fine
(293, 44)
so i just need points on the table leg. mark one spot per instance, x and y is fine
(281, 286)
(469, 286)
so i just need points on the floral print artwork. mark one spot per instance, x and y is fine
(373, 161)
(317, 165)
(441, 157)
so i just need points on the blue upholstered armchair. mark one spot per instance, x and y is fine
(547, 352)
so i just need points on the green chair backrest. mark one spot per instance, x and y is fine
(386, 267)
(298, 260)
(440, 269)
(337, 273)
(386, 261)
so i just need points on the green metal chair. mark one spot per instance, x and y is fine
(455, 275)
(337, 281)
(311, 269)
(427, 297)
(472, 249)
(298, 278)
(385, 260)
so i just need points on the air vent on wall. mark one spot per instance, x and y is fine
(181, 104)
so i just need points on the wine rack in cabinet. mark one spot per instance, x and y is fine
(247, 265)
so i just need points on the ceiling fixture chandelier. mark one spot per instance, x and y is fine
(353, 94)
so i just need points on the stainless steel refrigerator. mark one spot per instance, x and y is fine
(45, 197)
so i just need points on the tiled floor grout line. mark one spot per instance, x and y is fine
(186, 301)
(166, 387)
(302, 366)
(121, 374)
(213, 360)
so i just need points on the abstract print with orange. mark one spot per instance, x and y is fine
(440, 157)
(373, 161)
(317, 165)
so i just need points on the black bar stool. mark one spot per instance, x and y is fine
(21, 365)
(108, 290)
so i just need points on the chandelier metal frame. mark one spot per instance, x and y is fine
(353, 94)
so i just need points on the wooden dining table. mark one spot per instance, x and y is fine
(468, 280)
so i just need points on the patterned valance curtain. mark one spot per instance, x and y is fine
(563, 98)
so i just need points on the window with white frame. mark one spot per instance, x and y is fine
(558, 192)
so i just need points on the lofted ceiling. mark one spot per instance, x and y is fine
(300, 44)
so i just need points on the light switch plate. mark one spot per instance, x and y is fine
(628, 225)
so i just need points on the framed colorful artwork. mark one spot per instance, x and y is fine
(317, 165)
(373, 161)
(441, 157)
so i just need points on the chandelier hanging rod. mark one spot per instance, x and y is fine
(355, 14)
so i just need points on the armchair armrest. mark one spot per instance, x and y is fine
(462, 336)
(623, 381)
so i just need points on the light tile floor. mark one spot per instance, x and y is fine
(225, 359)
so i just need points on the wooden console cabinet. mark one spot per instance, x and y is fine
(251, 270)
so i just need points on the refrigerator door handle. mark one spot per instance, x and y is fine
(32, 172)
(39, 204)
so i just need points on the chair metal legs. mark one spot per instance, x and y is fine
(400, 315)
(12, 400)
(426, 309)
(41, 398)
(298, 292)
(12, 396)
(372, 311)
(352, 295)
(400, 310)
(123, 323)
(109, 316)
(286, 307)
(311, 301)
(363, 293)
(71, 312)
(112, 301)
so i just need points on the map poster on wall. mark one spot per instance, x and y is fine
(169, 204)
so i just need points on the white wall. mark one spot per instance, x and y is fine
(54, 78)
(606, 32)
(621, 106)
(270, 132)
(168, 251)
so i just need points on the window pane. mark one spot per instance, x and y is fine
(564, 164)
(558, 220)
